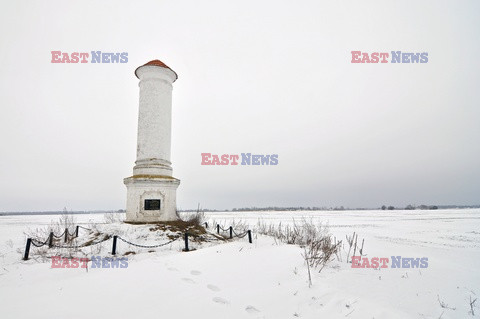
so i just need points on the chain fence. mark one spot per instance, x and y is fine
(59, 236)
(49, 241)
(82, 246)
(241, 235)
(233, 233)
(147, 246)
(38, 243)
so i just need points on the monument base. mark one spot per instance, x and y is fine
(151, 198)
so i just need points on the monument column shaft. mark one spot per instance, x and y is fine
(154, 120)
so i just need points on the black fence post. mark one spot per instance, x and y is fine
(66, 234)
(50, 240)
(231, 232)
(186, 242)
(27, 249)
(218, 229)
(249, 236)
(76, 231)
(114, 247)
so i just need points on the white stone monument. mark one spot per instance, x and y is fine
(151, 191)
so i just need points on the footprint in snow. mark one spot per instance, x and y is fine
(172, 269)
(213, 288)
(252, 310)
(220, 301)
(196, 272)
(188, 280)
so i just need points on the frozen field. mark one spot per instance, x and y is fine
(260, 280)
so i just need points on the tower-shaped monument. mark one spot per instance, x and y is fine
(151, 191)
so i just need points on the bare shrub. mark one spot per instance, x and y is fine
(58, 227)
(352, 242)
(113, 217)
(319, 247)
(197, 219)
(221, 223)
(297, 234)
(65, 223)
(239, 226)
(320, 251)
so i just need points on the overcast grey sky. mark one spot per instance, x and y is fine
(265, 77)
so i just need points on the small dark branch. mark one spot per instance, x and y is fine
(444, 305)
(472, 304)
(350, 244)
(355, 248)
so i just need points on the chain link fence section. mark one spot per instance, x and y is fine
(38, 243)
(83, 246)
(223, 229)
(59, 236)
(241, 235)
(233, 232)
(72, 234)
(147, 246)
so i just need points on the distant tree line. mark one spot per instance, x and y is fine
(411, 207)
(315, 208)
(272, 208)
(275, 208)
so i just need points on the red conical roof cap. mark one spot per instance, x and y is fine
(159, 64)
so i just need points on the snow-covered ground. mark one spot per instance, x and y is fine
(265, 279)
